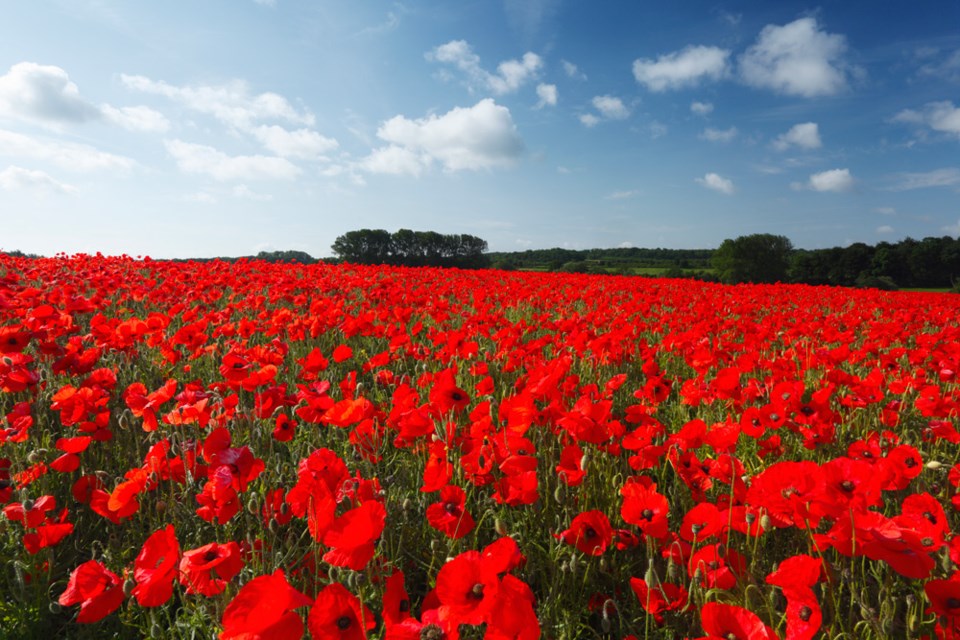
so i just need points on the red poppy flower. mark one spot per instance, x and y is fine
(352, 535)
(733, 623)
(97, 590)
(263, 610)
(337, 614)
(702, 522)
(449, 516)
(590, 532)
(396, 601)
(467, 587)
(284, 428)
(659, 599)
(513, 616)
(342, 353)
(156, 567)
(207, 569)
(717, 567)
(644, 507)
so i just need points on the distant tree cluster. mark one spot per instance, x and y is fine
(931, 262)
(626, 257)
(412, 248)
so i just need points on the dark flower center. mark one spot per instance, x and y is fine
(343, 623)
(805, 613)
(929, 516)
(431, 632)
(647, 514)
(848, 486)
(210, 556)
(910, 463)
(404, 606)
(476, 593)
(589, 532)
(953, 603)
(451, 508)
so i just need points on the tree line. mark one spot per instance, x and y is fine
(412, 248)
(929, 263)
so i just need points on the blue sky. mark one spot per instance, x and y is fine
(226, 127)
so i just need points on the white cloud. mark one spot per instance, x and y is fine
(43, 94)
(232, 104)
(805, 135)
(701, 108)
(204, 160)
(939, 116)
(685, 68)
(717, 183)
(884, 229)
(947, 177)
(572, 70)
(834, 180)
(622, 195)
(394, 160)
(589, 120)
(657, 129)
(465, 138)
(548, 95)
(244, 192)
(136, 118)
(886, 211)
(15, 178)
(302, 143)
(945, 69)
(510, 75)
(719, 135)
(797, 59)
(611, 107)
(68, 155)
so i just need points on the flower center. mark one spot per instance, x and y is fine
(343, 623)
(848, 486)
(805, 613)
(476, 593)
(647, 514)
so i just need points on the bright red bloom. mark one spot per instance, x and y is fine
(717, 568)
(467, 587)
(97, 590)
(207, 569)
(590, 532)
(644, 507)
(733, 623)
(352, 535)
(337, 614)
(449, 516)
(156, 568)
(263, 610)
(657, 600)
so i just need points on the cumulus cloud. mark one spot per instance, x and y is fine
(685, 68)
(717, 183)
(947, 177)
(510, 75)
(589, 120)
(302, 143)
(232, 104)
(68, 155)
(15, 178)
(701, 108)
(797, 59)
(805, 136)
(205, 160)
(719, 135)
(136, 118)
(572, 70)
(947, 68)
(548, 95)
(43, 94)
(942, 117)
(834, 180)
(884, 229)
(611, 107)
(622, 195)
(483, 136)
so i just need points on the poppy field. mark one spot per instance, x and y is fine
(253, 450)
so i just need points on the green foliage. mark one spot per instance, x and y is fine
(761, 257)
(412, 248)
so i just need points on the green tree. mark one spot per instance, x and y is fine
(760, 257)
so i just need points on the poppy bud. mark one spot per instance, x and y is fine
(765, 522)
(55, 608)
(252, 506)
(558, 494)
(123, 421)
(36, 456)
(407, 504)
(933, 465)
(128, 585)
(650, 577)
(28, 505)
(572, 565)
(161, 506)
(499, 527)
